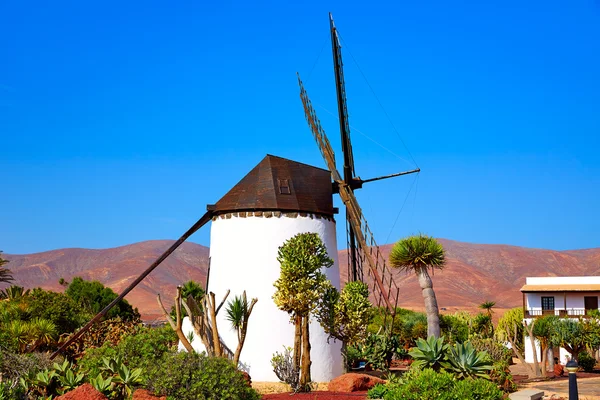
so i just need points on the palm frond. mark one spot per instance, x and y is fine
(417, 252)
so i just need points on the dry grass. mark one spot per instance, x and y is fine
(279, 387)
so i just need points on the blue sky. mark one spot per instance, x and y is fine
(120, 121)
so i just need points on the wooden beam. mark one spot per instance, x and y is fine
(200, 223)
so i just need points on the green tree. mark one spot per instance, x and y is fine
(300, 286)
(345, 316)
(238, 313)
(511, 328)
(417, 254)
(189, 288)
(483, 326)
(58, 308)
(570, 335)
(5, 275)
(487, 306)
(455, 328)
(93, 297)
(543, 330)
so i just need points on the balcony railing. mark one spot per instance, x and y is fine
(568, 313)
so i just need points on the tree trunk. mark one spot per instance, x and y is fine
(215, 330)
(431, 307)
(176, 325)
(536, 364)
(347, 366)
(297, 342)
(550, 357)
(544, 350)
(243, 329)
(305, 373)
(513, 344)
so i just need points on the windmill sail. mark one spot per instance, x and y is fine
(385, 290)
(354, 269)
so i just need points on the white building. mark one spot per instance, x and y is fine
(566, 297)
(278, 199)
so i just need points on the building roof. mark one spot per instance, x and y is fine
(283, 185)
(580, 287)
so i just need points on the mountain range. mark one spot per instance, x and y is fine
(473, 273)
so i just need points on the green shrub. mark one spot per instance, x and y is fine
(139, 350)
(352, 354)
(495, 350)
(91, 362)
(93, 297)
(147, 345)
(427, 384)
(191, 376)
(377, 391)
(501, 376)
(378, 350)
(283, 366)
(454, 328)
(14, 366)
(586, 361)
(10, 390)
(476, 389)
(423, 385)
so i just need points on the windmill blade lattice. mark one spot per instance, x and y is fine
(384, 289)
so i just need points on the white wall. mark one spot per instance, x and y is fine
(243, 255)
(529, 352)
(533, 301)
(562, 280)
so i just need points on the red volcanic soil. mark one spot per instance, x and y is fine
(317, 396)
(474, 272)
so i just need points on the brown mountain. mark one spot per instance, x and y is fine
(474, 272)
(116, 268)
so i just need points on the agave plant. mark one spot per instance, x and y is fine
(112, 364)
(127, 378)
(464, 361)
(70, 380)
(102, 385)
(429, 353)
(42, 382)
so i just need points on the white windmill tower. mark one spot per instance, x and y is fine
(276, 200)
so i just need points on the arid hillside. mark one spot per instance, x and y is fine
(116, 268)
(474, 272)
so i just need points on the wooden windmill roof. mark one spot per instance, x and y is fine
(280, 184)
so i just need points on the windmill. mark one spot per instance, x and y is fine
(277, 199)
(362, 247)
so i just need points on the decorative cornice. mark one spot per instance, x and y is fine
(272, 214)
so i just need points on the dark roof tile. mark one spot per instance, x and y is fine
(310, 189)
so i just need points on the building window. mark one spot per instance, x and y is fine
(284, 186)
(547, 303)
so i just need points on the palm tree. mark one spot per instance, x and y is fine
(5, 275)
(418, 253)
(14, 292)
(42, 332)
(488, 305)
(191, 288)
(238, 312)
